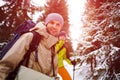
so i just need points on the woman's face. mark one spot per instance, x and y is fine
(53, 27)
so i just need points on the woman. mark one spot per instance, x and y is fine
(62, 54)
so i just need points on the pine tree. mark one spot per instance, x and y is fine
(12, 14)
(101, 35)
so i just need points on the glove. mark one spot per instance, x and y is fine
(73, 62)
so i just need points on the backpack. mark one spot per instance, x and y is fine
(21, 29)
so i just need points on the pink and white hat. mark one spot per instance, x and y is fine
(54, 16)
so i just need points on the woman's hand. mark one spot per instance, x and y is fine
(73, 62)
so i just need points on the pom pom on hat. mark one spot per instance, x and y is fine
(54, 16)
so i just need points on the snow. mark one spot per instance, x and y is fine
(79, 73)
(83, 69)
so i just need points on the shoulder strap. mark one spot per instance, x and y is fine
(52, 59)
(60, 48)
(35, 41)
(33, 47)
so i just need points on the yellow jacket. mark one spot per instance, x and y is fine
(61, 55)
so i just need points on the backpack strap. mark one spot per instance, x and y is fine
(61, 48)
(52, 59)
(53, 52)
(33, 47)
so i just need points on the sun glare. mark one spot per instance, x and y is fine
(76, 9)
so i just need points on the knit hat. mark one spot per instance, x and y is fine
(54, 16)
(62, 33)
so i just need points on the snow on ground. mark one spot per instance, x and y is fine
(80, 72)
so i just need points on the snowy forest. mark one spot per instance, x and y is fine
(98, 48)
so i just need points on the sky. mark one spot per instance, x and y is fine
(39, 2)
(76, 9)
(2, 2)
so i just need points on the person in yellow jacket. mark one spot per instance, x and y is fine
(62, 55)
